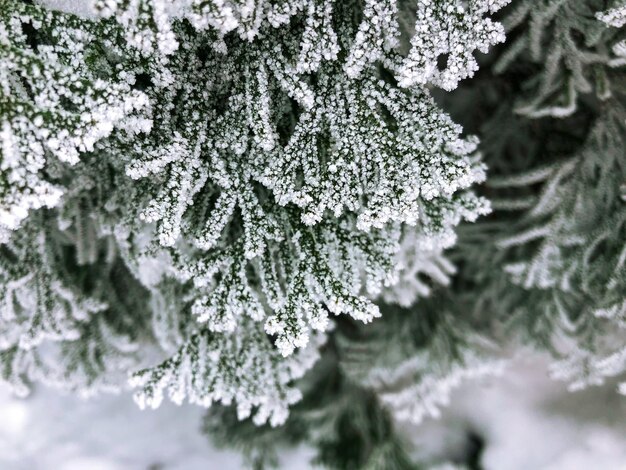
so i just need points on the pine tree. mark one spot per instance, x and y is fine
(561, 249)
(192, 192)
(253, 166)
(545, 269)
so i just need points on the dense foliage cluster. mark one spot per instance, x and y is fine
(210, 199)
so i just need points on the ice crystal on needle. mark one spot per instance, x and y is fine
(454, 29)
(259, 153)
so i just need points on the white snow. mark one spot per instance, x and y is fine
(529, 421)
(50, 430)
(78, 7)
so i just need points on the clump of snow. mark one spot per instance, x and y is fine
(528, 421)
(52, 430)
(78, 7)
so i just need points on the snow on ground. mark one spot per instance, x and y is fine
(54, 431)
(527, 422)
(50, 430)
(78, 7)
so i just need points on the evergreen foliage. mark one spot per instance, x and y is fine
(193, 192)
(545, 270)
(260, 155)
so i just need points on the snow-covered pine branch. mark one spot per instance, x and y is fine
(258, 154)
